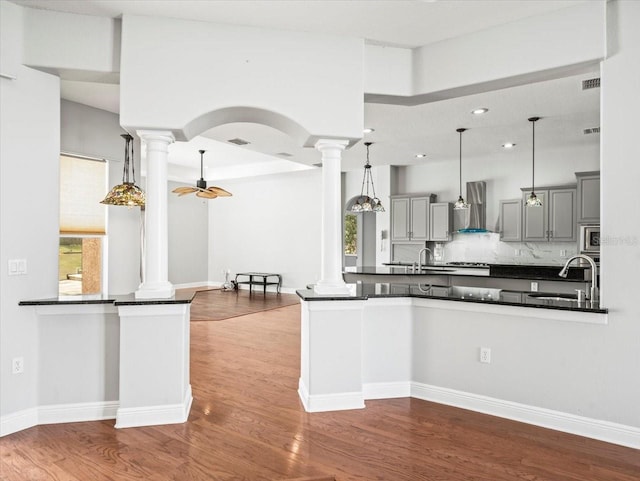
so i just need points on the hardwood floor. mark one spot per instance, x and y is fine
(247, 423)
(217, 304)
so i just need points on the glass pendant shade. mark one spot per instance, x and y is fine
(533, 200)
(127, 193)
(460, 203)
(365, 202)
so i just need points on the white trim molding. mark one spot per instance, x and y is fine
(547, 418)
(155, 415)
(77, 412)
(386, 390)
(329, 402)
(18, 421)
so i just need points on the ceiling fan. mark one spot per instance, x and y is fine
(201, 189)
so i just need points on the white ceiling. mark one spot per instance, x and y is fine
(401, 131)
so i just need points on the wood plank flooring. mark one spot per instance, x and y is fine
(217, 304)
(247, 423)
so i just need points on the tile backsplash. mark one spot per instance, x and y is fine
(487, 247)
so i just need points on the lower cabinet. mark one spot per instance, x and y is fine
(507, 296)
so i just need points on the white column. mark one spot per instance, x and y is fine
(331, 281)
(156, 283)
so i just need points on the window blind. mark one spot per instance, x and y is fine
(82, 187)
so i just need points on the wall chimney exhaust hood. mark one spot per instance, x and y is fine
(473, 219)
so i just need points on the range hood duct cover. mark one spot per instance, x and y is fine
(474, 219)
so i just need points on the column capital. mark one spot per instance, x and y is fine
(326, 144)
(159, 135)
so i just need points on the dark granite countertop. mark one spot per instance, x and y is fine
(509, 271)
(458, 294)
(118, 300)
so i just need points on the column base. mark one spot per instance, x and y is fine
(163, 290)
(331, 287)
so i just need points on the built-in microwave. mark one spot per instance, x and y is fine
(589, 239)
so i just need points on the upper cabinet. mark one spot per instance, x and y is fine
(555, 220)
(410, 217)
(440, 221)
(588, 197)
(511, 220)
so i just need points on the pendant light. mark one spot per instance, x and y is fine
(533, 200)
(365, 203)
(460, 203)
(127, 193)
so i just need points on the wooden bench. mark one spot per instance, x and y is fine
(260, 279)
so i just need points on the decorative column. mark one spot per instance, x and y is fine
(155, 284)
(331, 281)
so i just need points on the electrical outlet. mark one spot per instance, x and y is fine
(534, 287)
(563, 252)
(485, 355)
(17, 365)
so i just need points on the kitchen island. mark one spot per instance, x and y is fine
(390, 340)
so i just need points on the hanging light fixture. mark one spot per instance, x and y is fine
(201, 189)
(127, 193)
(460, 203)
(365, 203)
(533, 200)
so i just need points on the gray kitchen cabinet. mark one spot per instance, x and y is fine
(588, 197)
(440, 221)
(410, 217)
(509, 296)
(562, 215)
(511, 220)
(400, 221)
(555, 220)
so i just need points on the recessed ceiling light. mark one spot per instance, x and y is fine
(368, 130)
(480, 111)
(508, 145)
(420, 156)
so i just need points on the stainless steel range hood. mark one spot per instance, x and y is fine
(473, 219)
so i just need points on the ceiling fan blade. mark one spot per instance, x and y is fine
(206, 194)
(185, 190)
(185, 193)
(220, 192)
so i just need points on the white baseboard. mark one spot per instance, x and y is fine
(547, 418)
(386, 390)
(78, 412)
(18, 421)
(154, 415)
(329, 402)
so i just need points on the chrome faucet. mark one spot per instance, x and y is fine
(420, 257)
(593, 297)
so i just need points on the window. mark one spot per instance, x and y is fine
(350, 234)
(82, 225)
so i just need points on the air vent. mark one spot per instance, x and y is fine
(592, 83)
(284, 154)
(239, 141)
(319, 164)
(592, 130)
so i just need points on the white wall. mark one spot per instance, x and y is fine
(313, 80)
(271, 224)
(188, 237)
(29, 160)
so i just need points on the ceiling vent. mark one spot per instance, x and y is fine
(592, 83)
(593, 130)
(284, 154)
(239, 141)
